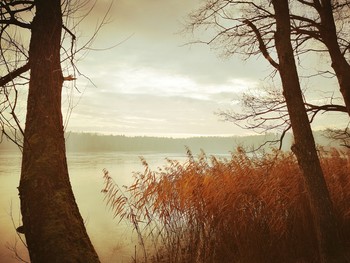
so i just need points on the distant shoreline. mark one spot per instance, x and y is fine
(92, 142)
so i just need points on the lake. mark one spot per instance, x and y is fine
(114, 242)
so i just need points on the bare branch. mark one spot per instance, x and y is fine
(342, 135)
(309, 3)
(69, 32)
(262, 45)
(14, 74)
(8, 15)
(14, 21)
(326, 107)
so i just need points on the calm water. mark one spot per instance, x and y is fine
(113, 241)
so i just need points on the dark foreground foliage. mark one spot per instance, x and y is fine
(241, 209)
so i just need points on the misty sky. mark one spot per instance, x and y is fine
(154, 84)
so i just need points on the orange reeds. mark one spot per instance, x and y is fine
(239, 209)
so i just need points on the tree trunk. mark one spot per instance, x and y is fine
(328, 33)
(53, 226)
(330, 249)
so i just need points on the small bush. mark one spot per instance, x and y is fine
(240, 209)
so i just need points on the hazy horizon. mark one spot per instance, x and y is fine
(97, 142)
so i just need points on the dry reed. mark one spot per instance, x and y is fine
(240, 209)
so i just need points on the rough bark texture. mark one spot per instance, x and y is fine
(53, 226)
(328, 33)
(330, 248)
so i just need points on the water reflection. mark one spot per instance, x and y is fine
(114, 242)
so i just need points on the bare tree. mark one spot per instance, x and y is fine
(249, 28)
(316, 27)
(330, 246)
(246, 28)
(327, 22)
(52, 224)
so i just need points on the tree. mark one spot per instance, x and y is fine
(52, 224)
(304, 148)
(250, 28)
(324, 29)
(318, 27)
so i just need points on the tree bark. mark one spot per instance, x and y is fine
(53, 226)
(330, 247)
(329, 36)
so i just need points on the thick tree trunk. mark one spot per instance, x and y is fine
(52, 224)
(330, 248)
(328, 33)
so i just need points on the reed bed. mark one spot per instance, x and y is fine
(243, 209)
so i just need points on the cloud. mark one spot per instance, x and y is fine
(153, 83)
(147, 114)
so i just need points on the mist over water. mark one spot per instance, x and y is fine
(87, 156)
(114, 242)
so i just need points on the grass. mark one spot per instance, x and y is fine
(240, 209)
